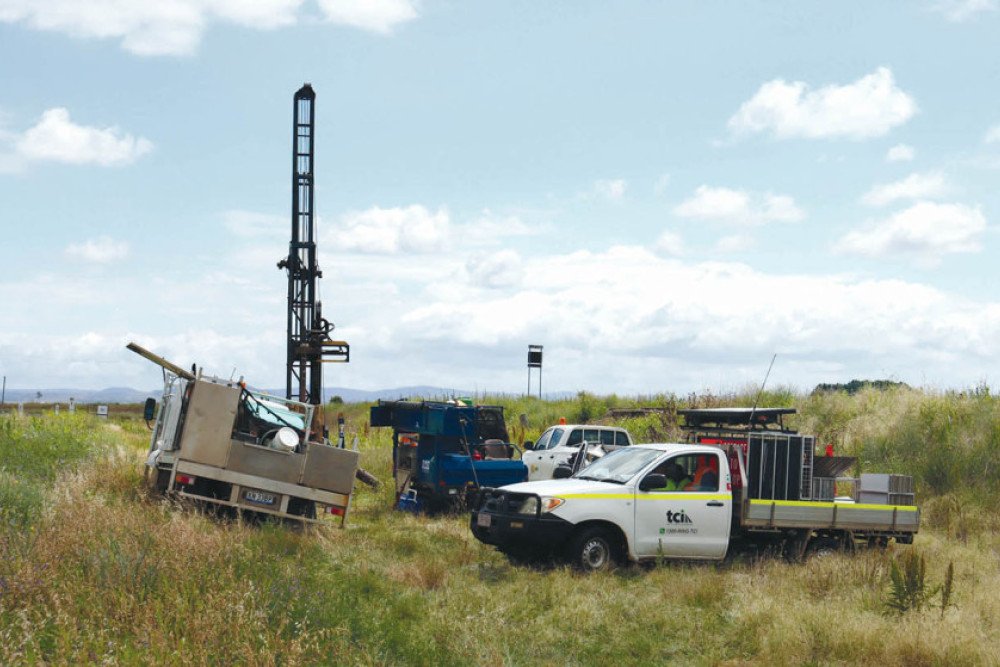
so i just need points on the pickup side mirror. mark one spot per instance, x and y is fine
(562, 472)
(653, 481)
(149, 409)
(529, 444)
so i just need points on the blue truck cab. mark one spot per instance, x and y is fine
(443, 452)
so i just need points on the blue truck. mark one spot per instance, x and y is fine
(443, 452)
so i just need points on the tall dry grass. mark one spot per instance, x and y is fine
(102, 573)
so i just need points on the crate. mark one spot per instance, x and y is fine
(409, 502)
(885, 489)
(780, 466)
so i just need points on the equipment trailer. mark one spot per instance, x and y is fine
(730, 490)
(218, 442)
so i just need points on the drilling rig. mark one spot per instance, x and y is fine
(309, 342)
(217, 442)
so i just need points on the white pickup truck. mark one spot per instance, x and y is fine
(560, 445)
(675, 501)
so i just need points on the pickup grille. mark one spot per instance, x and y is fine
(502, 502)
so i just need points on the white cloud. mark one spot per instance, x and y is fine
(780, 208)
(925, 232)
(491, 230)
(992, 135)
(412, 229)
(645, 318)
(715, 203)
(625, 320)
(176, 27)
(58, 139)
(375, 15)
(958, 11)
(738, 206)
(416, 229)
(900, 153)
(496, 269)
(932, 185)
(869, 107)
(610, 189)
(670, 244)
(101, 250)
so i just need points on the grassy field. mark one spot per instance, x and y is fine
(93, 570)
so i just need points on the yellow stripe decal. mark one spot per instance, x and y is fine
(812, 503)
(654, 495)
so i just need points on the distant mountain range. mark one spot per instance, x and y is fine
(128, 395)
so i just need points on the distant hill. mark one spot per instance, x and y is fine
(109, 395)
(128, 395)
(370, 396)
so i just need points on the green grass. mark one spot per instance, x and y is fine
(33, 451)
(94, 570)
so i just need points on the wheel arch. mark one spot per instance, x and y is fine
(622, 547)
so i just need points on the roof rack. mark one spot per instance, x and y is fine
(736, 418)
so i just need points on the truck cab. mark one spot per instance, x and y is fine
(563, 444)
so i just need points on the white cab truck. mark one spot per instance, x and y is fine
(217, 442)
(562, 444)
(675, 501)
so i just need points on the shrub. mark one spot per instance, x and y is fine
(907, 584)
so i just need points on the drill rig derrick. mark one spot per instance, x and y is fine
(309, 343)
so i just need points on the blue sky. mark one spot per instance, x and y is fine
(663, 194)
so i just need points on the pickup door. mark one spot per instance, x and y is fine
(690, 518)
(542, 460)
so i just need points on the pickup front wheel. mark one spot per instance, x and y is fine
(593, 550)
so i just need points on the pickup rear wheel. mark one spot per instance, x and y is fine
(593, 550)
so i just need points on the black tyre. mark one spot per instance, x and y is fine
(158, 479)
(823, 547)
(593, 549)
(302, 507)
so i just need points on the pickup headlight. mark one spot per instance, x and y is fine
(531, 504)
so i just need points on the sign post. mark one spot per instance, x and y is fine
(535, 361)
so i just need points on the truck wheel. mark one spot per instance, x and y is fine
(302, 507)
(823, 547)
(593, 550)
(158, 479)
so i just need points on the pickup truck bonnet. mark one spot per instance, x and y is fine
(564, 487)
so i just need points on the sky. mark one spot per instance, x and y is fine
(664, 195)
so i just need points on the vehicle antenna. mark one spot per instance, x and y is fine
(762, 384)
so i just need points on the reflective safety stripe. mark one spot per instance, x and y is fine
(812, 503)
(652, 495)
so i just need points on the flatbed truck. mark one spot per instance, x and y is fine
(215, 441)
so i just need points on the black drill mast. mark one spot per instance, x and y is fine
(309, 343)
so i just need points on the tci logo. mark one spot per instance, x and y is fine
(678, 517)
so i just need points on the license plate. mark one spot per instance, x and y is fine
(483, 520)
(259, 497)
